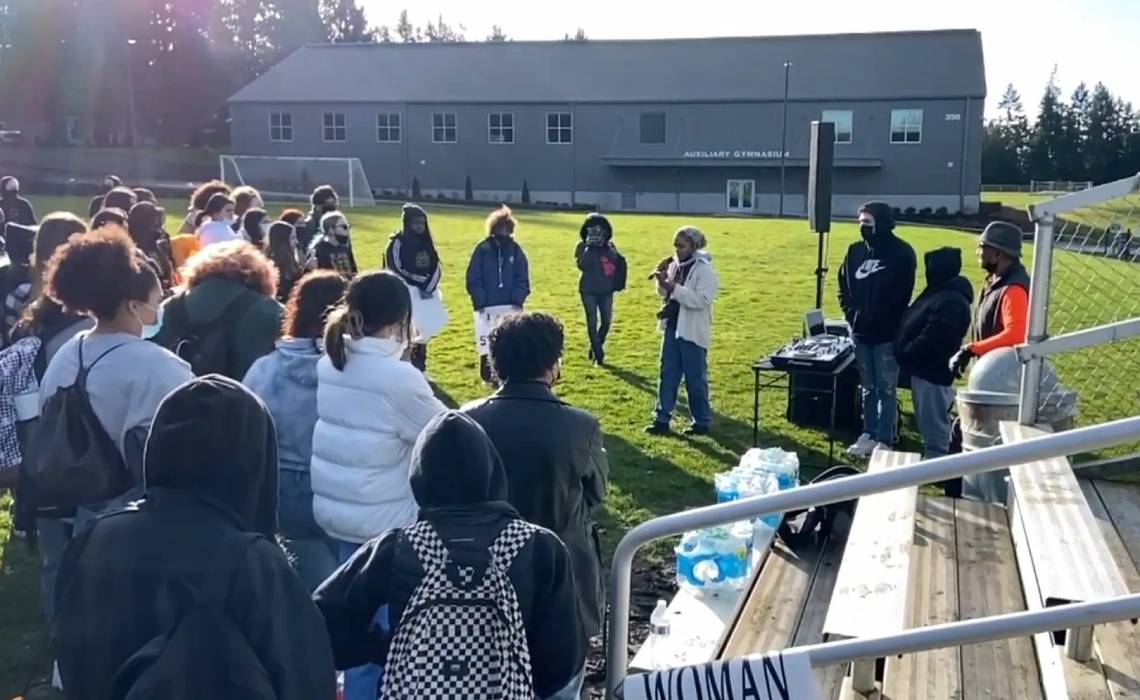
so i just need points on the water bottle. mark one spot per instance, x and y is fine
(696, 567)
(727, 486)
(787, 470)
(734, 555)
(658, 640)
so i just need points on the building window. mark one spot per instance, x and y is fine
(653, 127)
(280, 127)
(443, 127)
(559, 127)
(842, 119)
(388, 128)
(906, 126)
(334, 127)
(501, 127)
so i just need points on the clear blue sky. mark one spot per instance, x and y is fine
(1089, 40)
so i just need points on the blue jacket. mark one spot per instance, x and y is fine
(286, 380)
(498, 274)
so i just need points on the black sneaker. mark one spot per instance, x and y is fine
(659, 429)
(697, 430)
(591, 354)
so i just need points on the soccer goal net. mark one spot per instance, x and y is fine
(1059, 185)
(288, 178)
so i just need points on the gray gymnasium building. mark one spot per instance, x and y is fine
(690, 125)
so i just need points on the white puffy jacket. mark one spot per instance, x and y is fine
(368, 418)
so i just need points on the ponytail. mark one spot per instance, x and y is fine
(335, 329)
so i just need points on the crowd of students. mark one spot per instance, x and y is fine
(238, 475)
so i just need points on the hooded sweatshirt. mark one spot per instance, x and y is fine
(459, 482)
(876, 280)
(250, 334)
(413, 257)
(211, 476)
(933, 328)
(213, 232)
(603, 268)
(286, 380)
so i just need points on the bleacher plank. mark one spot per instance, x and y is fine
(1118, 643)
(774, 605)
(829, 679)
(988, 584)
(1122, 501)
(936, 674)
(870, 594)
(1070, 558)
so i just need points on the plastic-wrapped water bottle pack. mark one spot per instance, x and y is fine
(720, 557)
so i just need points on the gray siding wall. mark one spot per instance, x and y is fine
(931, 173)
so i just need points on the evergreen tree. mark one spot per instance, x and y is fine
(579, 35)
(1077, 132)
(407, 32)
(1005, 143)
(1104, 139)
(442, 32)
(497, 34)
(1049, 153)
(345, 22)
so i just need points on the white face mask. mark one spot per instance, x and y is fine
(149, 332)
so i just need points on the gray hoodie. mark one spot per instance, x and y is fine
(286, 380)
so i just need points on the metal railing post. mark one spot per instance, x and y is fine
(940, 469)
(1038, 317)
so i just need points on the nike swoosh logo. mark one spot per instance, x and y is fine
(868, 268)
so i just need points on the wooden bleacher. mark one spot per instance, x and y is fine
(870, 594)
(962, 565)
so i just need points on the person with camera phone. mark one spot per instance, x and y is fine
(603, 273)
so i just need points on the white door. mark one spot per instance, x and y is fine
(741, 195)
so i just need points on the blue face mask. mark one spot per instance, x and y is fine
(149, 332)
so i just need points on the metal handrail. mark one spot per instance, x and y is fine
(992, 458)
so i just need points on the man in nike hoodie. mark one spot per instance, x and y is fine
(875, 284)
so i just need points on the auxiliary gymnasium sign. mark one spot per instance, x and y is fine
(733, 155)
(772, 676)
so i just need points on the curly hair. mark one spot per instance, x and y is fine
(322, 194)
(526, 346)
(243, 198)
(500, 218)
(310, 303)
(292, 216)
(234, 260)
(201, 196)
(95, 273)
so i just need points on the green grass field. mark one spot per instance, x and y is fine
(766, 271)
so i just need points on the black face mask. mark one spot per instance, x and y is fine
(867, 231)
(341, 239)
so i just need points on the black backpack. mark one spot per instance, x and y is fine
(70, 459)
(202, 653)
(206, 346)
(621, 273)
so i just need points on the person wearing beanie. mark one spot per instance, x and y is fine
(1001, 318)
(120, 198)
(201, 539)
(16, 209)
(323, 201)
(930, 331)
(109, 183)
(876, 280)
(412, 255)
(603, 271)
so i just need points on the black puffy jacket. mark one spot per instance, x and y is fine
(461, 487)
(935, 325)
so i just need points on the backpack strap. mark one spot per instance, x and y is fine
(510, 542)
(81, 375)
(426, 543)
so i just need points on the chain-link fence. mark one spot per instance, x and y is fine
(1094, 281)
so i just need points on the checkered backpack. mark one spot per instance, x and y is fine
(461, 635)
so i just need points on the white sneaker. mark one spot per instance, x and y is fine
(862, 447)
(883, 447)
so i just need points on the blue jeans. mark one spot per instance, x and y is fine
(573, 689)
(879, 375)
(599, 316)
(932, 413)
(683, 359)
(314, 554)
(362, 682)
